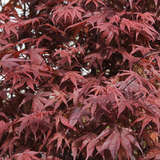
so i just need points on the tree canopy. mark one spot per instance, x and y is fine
(79, 79)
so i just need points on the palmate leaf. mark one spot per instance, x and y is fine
(66, 55)
(146, 17)
(81, 143)
(59, 137)
(57, 98)
(115, 139)
(109, 31)
(67, 13)
(99, 90)
(92, 144)
(95, 19)
(118, 97)
(27, 154)
(100, 101)
(8, 62)
(110, 94)
(146, 119)
(26, 74)
(40, 100)
(19, 80)
(112, 143)
(135, 83)
(10, 28)
(146, 30)
(74, 77)
(33, 122)
(63, 120)
(35, 55)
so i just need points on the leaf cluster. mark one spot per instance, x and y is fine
(80, 79)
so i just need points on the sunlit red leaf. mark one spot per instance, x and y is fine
(27, 154)
(59, 137)
(73, 76)
(67, 13)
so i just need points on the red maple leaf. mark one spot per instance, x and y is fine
(146, 119)
(57, 97)
(10, 27)
(114, 140)
(80, 143)
(59, 137)
(8, 62)
(32, 123)
(109, 31)
(74, 77)
(60, 118)
(67, 13)
(40, 100)
(27, 154)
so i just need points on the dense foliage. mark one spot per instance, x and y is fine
(80, 79)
